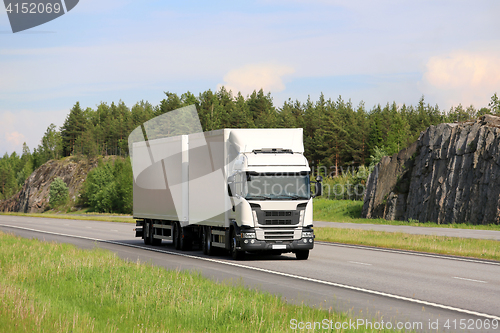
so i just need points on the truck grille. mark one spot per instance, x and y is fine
(278, 213)
(284, 234)
(277, 222)
(279, 217)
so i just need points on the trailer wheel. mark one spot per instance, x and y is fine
(236, 254)
(204, 240)
(184, 240)
(181, 240)
(176, 235)
(302, 255)
(208, 241)
(145, 233)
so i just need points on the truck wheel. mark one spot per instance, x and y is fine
(181, 241)
(176, 235)
(184, 240)
(145, 233)
(208, 241)
(236, 254)
(204, 239)
(302, 255)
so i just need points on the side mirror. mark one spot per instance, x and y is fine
(318, 189)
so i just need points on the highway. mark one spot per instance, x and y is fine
(376, 285)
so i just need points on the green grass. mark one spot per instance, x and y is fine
(464, 247)
(72, 216)
(350, 211)
(55, 287)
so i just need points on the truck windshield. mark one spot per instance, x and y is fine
(276, 186)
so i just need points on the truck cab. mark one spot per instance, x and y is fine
(270, 191)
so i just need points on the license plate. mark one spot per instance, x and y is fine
(279, 247)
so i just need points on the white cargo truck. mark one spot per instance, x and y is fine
(242, 190)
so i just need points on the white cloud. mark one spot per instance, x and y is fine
(463, 77)
(15, 138)
(255, 77)
(26, 126)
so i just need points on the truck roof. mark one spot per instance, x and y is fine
(254, 139)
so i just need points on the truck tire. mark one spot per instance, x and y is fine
(184, 241)
(181, 240)
(204, 239)
(236, 254)
(145, 233)
(208, 242)
(302, 255)
(176, 238)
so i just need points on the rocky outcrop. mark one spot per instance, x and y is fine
(34, 195)
(451, 174)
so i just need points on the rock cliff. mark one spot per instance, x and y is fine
(451, 174)
(34, 195)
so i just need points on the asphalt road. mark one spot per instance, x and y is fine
(414, 290)
(450, 232)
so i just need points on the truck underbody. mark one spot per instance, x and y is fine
(236, 240)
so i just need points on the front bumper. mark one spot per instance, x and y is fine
(291, 246)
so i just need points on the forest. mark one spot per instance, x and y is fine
(338, 135)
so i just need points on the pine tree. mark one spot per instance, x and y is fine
(262, 110)
(495, 104)
(73, 127)
(51, 143)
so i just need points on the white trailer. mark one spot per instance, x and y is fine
(243, 190)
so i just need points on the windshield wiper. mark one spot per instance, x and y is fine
(292, 196)
(258, 197)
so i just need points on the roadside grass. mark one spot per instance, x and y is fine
(88, 216)
(464, 247)
(57, 287)
(350, 211)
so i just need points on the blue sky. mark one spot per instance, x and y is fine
(371, 51)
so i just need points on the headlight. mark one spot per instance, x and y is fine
(302, 212)
(307, 234)
(248, 235)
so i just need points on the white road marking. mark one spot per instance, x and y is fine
(114, 230)
(421, 254)
(298, 277)
(360, 263)
(456, 277)
(89, 227)
(67, 225)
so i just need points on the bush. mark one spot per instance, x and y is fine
(108, 188)
(350, 185)
(58, 193)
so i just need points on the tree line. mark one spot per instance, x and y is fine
(337, 134)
